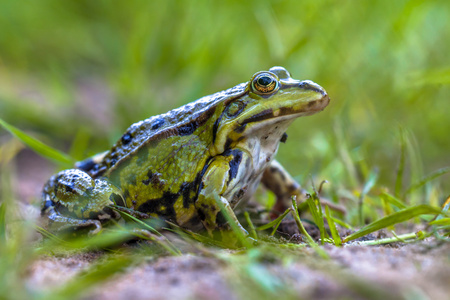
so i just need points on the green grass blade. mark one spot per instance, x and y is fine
(275, 222)
(187, 234)
(234, 227)
(395, 218)
(3, 223)
(169, 246)
(300, 226)
(38, 146)
(426, 179)
(441, 220)
(401, 165)
(334, 233)
(56, 240)
(373, 176)
(317, 214)
(250, 225)
(342, 223)
(444, 221)
(393, 200)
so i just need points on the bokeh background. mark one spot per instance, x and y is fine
(76, 74)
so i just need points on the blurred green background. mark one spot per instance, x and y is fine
(76, 74)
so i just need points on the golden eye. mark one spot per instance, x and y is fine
(264, 83)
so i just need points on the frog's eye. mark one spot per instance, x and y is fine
(264, 83)
(235, 108)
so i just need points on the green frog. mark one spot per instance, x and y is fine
(191, 164)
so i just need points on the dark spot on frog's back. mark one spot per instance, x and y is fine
(149, 179)
(185, 191)
(85, 165)
(161, 206)
(154, 179)
(126, 138)
(157, 123)
(112, 162)
(47, 204)
(187, 129)
(69, 189)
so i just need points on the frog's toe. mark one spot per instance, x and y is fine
(98, 227)
(253, 241)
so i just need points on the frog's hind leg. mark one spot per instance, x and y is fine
(281, 183)
(72, 199)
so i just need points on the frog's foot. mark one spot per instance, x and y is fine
(58, 223)
(72, 199)
(132, 212)
(212, 216)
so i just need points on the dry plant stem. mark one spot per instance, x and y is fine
(399, 238)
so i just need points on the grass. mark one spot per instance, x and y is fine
(75, 75)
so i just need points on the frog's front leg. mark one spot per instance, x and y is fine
(72, 199)
(281, 183)
(213, 186)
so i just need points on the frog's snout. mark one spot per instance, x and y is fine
(310, 85)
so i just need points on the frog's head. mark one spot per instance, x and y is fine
(272, 100)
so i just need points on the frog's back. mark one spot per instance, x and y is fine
(181, 121)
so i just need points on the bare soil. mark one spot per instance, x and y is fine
(405, 271)
(412, 271)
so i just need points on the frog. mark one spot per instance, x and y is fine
(192, 166)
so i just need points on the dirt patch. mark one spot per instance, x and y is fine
(359, 272)
(400, 271)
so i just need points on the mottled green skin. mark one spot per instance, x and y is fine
(179, 165)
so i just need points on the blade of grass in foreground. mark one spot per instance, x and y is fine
(38, 146)
(395, 218)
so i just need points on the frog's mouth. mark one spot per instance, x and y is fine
(290, 110)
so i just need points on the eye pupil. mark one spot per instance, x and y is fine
(264, 80)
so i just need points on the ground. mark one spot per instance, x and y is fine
(417, 271)
(408, 271)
